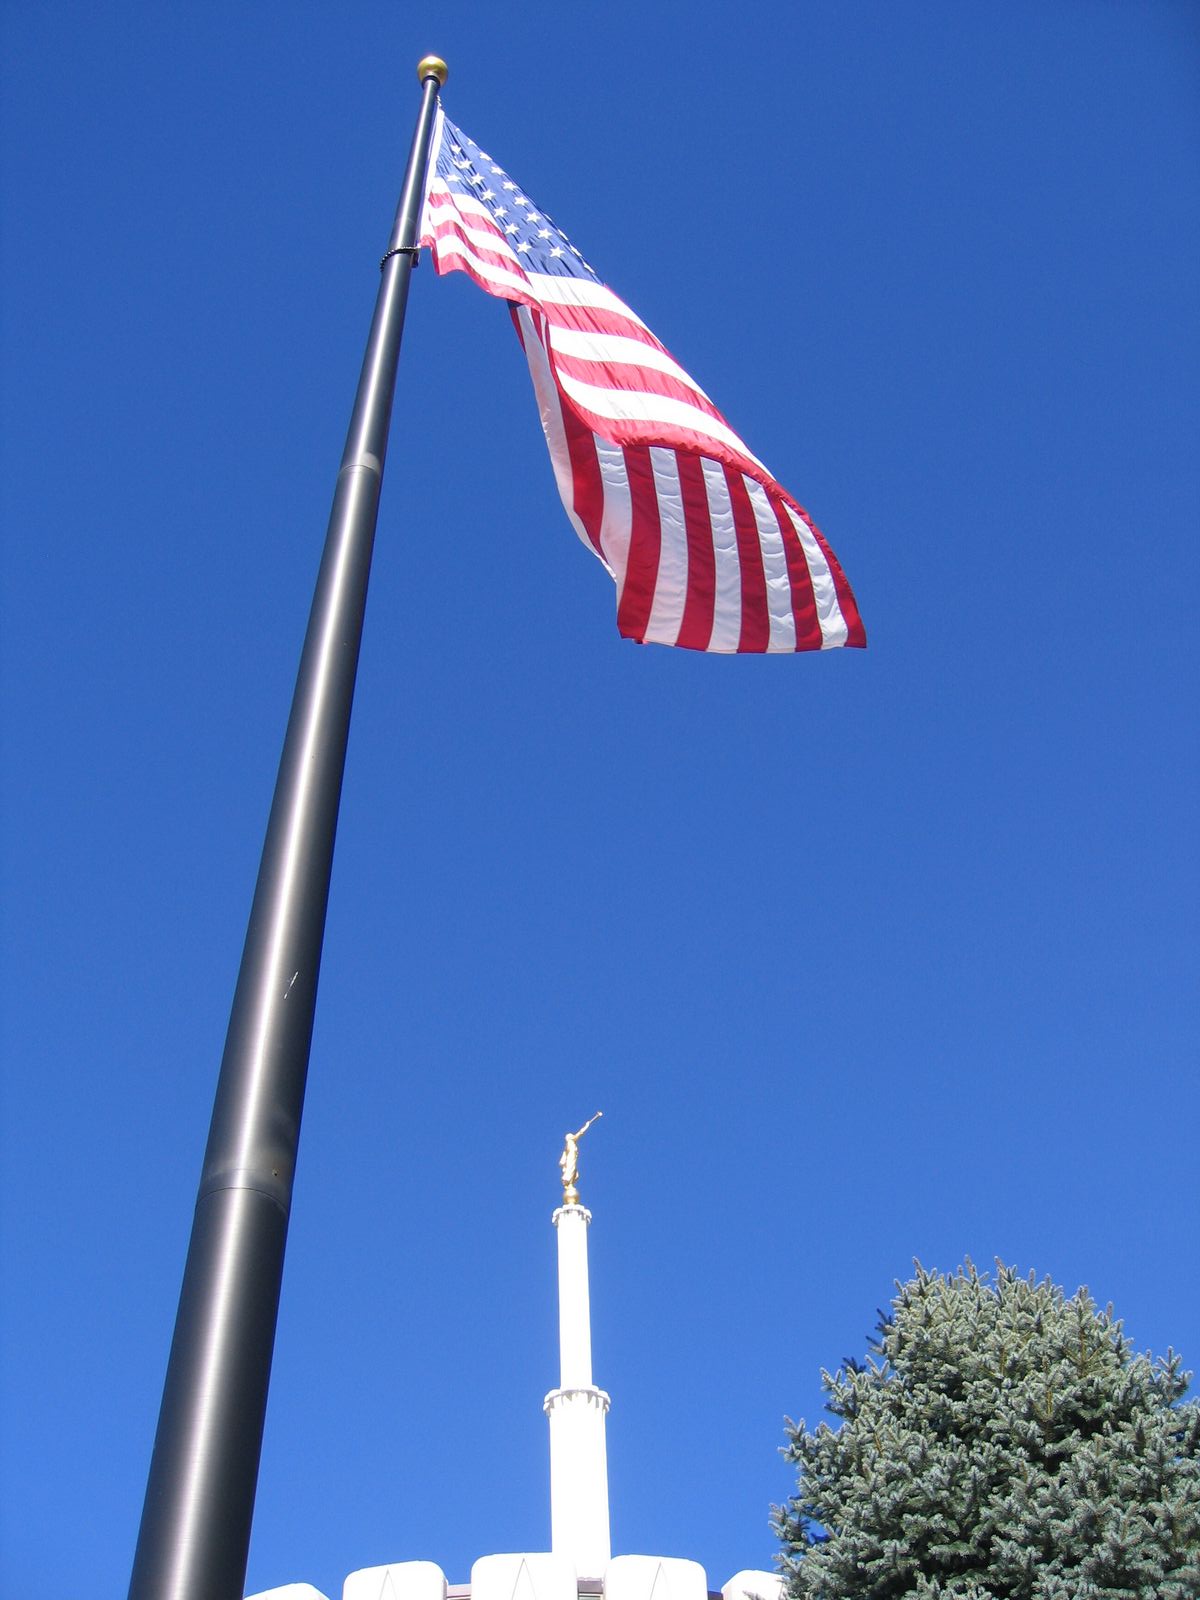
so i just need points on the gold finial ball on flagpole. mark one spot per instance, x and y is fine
(432, 67)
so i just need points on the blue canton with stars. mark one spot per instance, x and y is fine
(538, 243)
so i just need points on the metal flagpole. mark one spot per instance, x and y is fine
(195, 1530)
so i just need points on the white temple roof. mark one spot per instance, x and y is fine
(539, 1575)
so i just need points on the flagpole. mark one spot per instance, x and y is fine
(195, 1530)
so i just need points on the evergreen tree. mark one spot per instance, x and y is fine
(1001, 1442)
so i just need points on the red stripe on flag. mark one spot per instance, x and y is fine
(804, 602)
(457, 264)
(585, 473)
(600, 319)
(645, 544)
(756, 619)
(489, 256)
(695, 629)
(587, 492)
(856, 634)
(661, 432)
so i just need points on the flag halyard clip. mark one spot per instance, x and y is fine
(413, 250)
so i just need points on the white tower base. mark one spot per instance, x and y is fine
(579, 1478)
(579, 1527)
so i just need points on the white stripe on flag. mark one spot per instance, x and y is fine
(829, 614)
(548, 407)
(615, 350)
(556, 291)
(448, 204)
(432, 180)
(627, 405)
(616, 529)
(462, 201)
(779, 587)
(482, 238)
(670, 589)
(507, 283)
(727, 609)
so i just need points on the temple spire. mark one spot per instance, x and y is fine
(577, 1409)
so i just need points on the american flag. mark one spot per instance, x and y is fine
(707, 550)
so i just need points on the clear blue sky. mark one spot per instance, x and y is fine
(865, 956)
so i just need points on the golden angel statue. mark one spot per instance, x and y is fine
(569, 1162)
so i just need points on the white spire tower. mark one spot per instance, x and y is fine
(577, 1409)
(580, 1565)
